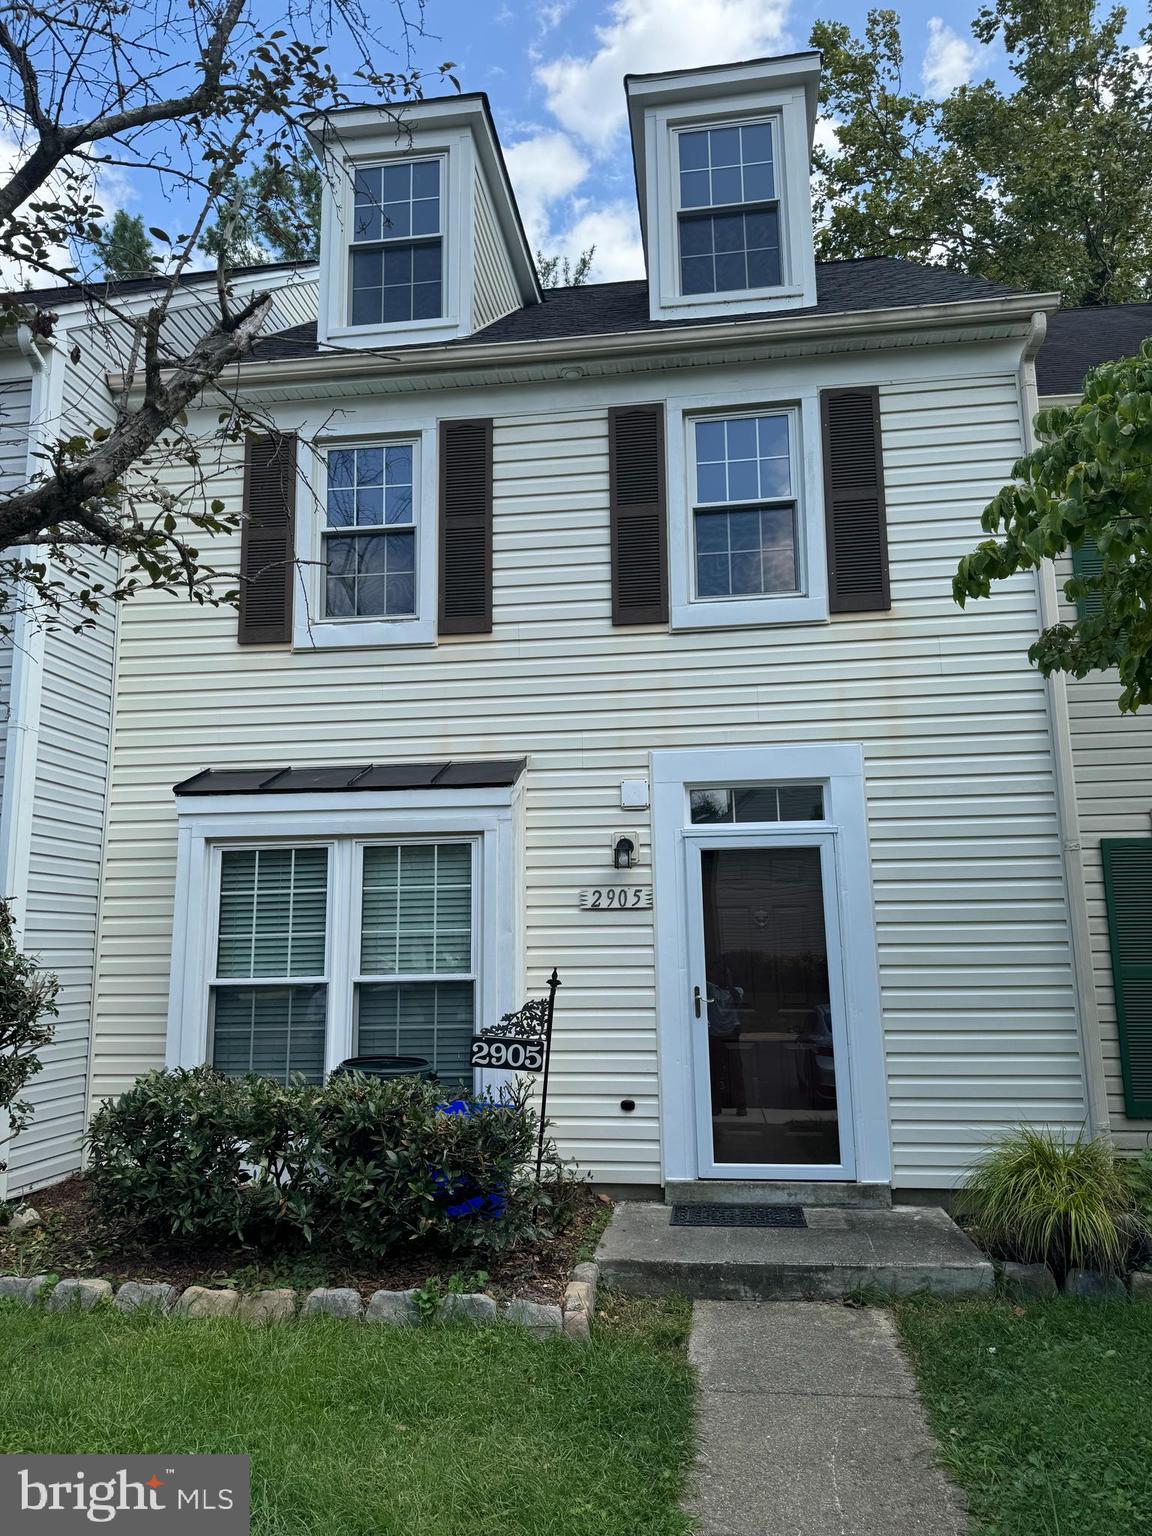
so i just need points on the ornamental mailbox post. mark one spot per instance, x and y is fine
(522, 1042)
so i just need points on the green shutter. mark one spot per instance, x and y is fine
(1087, 561)
(1128, 895)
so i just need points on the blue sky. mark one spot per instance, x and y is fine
(553, 71)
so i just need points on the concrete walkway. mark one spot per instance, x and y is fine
(809, 1425)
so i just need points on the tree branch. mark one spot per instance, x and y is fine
(63, 497)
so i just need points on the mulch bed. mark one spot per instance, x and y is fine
(75, 1240)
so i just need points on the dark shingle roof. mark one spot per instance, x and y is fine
(1078, 339)
(599, 309)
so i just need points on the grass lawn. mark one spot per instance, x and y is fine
(374, 1431)
(1042, 1412)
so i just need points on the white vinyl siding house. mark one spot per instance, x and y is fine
(636, 549)
(979, 1015)
(54, 815)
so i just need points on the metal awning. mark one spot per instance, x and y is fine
(483, 774)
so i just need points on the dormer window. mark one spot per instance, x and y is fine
(729, 215)
(397, 243)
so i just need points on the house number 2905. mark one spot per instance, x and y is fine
(603, 898)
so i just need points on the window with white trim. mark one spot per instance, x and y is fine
(369, 537)
(744, 506)
(728, 209)
(408, 966)
(397, 249)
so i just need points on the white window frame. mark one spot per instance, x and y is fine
(311, 630)
(453, 147)
(351, 244)
(772, 121)
(839, 766)
(787, 111)
(343, 823)
(809, 605)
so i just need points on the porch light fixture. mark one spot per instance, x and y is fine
(624, 853)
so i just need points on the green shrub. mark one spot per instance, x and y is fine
(361, 1164)
(1036, 1197)
(1137, 1173)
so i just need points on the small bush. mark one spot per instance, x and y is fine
(1040, 1198)
(361, 1164)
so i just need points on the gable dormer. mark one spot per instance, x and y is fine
(420, 238)
(723, 163)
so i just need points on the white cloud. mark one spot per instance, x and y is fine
(827, 135)
(545, 170)
(614, 230)
(587, 95)
(949, 60)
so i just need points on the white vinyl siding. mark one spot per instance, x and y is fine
(1112, 766)
(978, 1001)
(495, 293)
(67, 810)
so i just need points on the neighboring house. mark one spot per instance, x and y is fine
(56, 690)
(1110, 765)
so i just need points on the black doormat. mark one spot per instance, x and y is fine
(738, 1216)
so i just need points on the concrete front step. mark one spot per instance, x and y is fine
(897, 1251)
(776, 1192)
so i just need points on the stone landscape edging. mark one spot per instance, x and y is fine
(571, 1319)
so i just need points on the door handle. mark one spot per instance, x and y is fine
(696, 999)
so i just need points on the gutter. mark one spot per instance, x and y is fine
(25, 688)
(1067, 804)
(845, 326)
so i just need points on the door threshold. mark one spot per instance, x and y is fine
(812, 1192)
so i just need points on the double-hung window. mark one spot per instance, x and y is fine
(728, 210)
(397, 253)
(369, 534)
(744, 534)
(400, 981)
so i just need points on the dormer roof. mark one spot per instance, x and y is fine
(471, 110)
(685, 87)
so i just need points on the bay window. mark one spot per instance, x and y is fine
(286, 977)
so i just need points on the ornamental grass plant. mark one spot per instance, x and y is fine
(1038, 1197)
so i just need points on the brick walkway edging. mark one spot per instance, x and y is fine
(399, 1308)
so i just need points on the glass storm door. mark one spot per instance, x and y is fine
(766, 1012)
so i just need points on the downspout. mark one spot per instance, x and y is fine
(1067, 806)
(25, 686)
(22, 731)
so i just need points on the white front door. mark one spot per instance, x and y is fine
(766, 1013)
(768, 996)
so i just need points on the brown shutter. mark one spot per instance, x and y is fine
(638, 512)
(465, 527)
(854, 501)
(267, 555)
